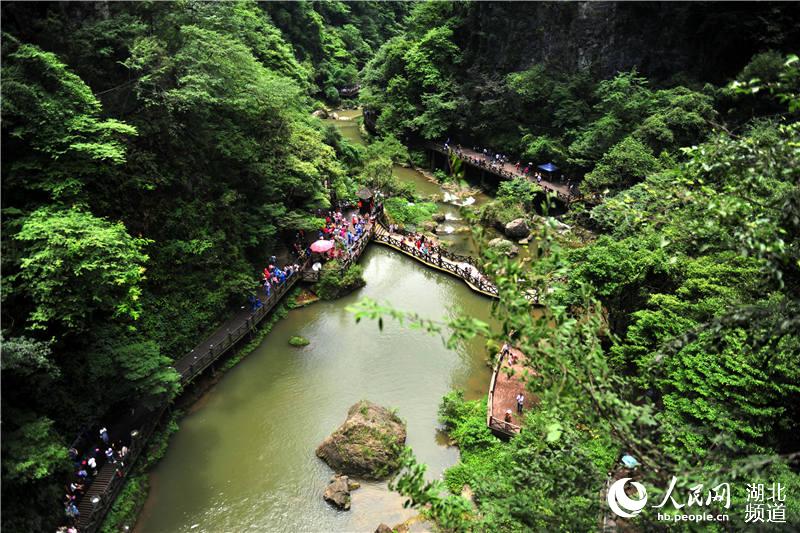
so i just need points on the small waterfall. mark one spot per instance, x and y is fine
(451, 198)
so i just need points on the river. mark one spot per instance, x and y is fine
(244, 459)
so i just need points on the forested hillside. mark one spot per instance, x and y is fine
(152, 155)
(568, 81)
(155, 154)
(671, 332)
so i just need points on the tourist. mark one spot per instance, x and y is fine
(506, 349)
(507, 418)
(92, 464)
(110, 455)
(520, 402)
(104, 435)
(72, 511)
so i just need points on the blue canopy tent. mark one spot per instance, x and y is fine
(550, 169)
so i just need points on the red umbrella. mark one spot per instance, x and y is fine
(321, 246)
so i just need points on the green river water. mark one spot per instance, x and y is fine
(243, 459)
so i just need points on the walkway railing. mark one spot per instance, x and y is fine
(101, 494)
(105, 487)
(193, 363)
(502, 425)
(350, 90)
(501, 172)
(509, 429)
(353, 255)
(443, 260)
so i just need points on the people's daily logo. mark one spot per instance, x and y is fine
(766, 502)
(621, 503)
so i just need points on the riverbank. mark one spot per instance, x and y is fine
(246, 457)
(131, 500)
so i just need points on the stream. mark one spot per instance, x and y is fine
(244, 459)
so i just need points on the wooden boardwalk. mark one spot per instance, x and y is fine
(464, 267)
(226, 336)
(506, 171)
(460, 266)
(503, 390)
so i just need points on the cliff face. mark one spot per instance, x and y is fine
(707, 41)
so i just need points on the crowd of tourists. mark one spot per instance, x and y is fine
(345, 231)
(272, 277)
(487, 159)
(496, 162)
(86, 467)
(430, 251)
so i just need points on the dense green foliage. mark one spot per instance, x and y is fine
(298, 341)
(154, 155)
(403, 212)
(333, 40)
(437, 80)
(334, 282)
(673, 335)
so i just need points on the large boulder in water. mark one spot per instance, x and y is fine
(368, 444)
(517, 229)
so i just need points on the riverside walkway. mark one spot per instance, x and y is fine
(506, 171)
(106, 485)
(100, 495)
(508, 380)
(463, 267)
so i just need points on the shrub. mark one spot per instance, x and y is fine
(333, 283)
(498, 213)
(401, 211)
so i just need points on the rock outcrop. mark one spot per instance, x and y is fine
(517, 229)
(368, 444)
(503, 246)
(430, 226)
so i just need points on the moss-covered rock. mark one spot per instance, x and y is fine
(504, 246)
(498, 213)
(299, 341)
(368, 444)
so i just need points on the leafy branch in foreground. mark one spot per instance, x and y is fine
(450, 512)
(452, 331)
